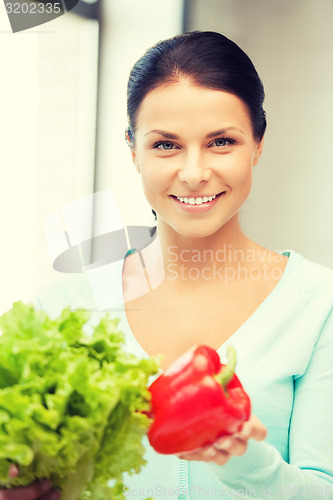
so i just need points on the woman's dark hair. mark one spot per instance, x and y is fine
(211, 60)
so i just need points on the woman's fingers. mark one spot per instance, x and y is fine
(219, 452)
(13, 470)
(51, 495)
(32, 492)
(231, 446)
(254, 429)
(207, 454)
(227, 446)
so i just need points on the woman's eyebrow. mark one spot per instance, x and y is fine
(223, 131)
(167, 135)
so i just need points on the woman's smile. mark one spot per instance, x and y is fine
(196, 199)
(197, 204)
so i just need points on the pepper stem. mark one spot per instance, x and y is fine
(228, 371)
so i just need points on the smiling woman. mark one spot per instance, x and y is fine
(196, 131)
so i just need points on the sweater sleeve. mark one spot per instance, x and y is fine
(309, 472)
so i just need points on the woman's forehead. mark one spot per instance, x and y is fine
(175, 104)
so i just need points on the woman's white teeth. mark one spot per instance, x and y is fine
(196, 201)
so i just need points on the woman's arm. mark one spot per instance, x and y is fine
(254, 466)
(309, 472)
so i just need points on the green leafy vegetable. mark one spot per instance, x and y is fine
(72, 403)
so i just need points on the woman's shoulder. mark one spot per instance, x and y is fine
(310, 271)
(312, 281)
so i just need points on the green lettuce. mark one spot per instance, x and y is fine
(72, 402)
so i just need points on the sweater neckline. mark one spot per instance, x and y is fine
(292, 257)
(277, 290)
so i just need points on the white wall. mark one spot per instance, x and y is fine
(47, 132)
(18, 154)
(291, 45)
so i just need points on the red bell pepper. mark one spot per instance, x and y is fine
(196, 401)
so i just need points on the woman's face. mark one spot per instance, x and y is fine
(193, 143)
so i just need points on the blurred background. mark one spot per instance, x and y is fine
(63, 117)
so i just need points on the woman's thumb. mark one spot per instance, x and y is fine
(13, 471)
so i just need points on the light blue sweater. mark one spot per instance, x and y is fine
(285, 363)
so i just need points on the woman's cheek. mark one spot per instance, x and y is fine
(237, 170)
(154, 185)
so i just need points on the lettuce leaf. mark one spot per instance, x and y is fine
(72, 403)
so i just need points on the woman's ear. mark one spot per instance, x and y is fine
(135, 160)
(129, 140)
(258, 151)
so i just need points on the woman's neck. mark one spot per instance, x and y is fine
(180, 256)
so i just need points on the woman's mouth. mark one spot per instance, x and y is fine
(198, 200)
(198, 203)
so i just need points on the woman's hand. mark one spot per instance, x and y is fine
(224, 448)
(40, 490)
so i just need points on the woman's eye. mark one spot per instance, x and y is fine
(165, 145)
(221, 141)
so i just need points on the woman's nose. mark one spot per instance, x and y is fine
(194, 169)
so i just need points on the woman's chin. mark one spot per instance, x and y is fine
(197, 227)
(196, 230)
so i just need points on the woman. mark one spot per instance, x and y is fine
(196, 131)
